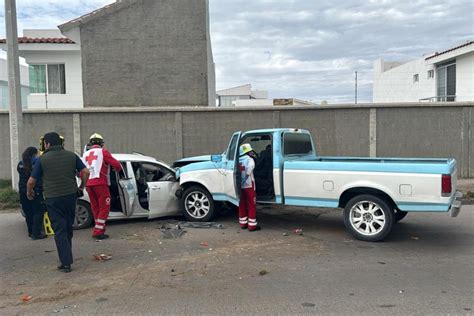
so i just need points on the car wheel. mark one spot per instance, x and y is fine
(368, 218)
(399, 215)
(83, 218)
(197, 204)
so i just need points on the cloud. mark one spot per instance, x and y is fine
(300, 48)
(311, 49)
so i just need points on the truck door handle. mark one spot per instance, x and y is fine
(155, 188)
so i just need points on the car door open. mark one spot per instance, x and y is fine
(127, 196)
(161, 189)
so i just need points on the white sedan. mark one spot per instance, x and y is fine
(146, 189)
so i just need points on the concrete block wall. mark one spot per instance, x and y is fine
(405, 130)
(149, 53)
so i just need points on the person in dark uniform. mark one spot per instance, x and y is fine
(57, 168)
(34, 209)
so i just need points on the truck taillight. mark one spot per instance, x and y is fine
(446, 185)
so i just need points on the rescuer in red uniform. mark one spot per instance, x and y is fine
(98, 160)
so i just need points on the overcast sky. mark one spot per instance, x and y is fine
(305, 49)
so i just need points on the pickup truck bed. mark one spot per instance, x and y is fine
(406, 181)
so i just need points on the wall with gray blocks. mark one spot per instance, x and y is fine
(405, 130)
(149, 53)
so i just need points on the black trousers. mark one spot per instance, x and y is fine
(34, 212)
(61, 211)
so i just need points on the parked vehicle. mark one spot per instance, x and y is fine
(374, 192)
(147, 190)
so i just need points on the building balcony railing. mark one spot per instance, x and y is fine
(440, 98)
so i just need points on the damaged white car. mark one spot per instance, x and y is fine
(146, 189)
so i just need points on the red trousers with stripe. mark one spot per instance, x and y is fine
(247, 209)
(99, 197)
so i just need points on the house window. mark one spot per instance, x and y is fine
(50, 79)
(446, 82)
(416, 78)
(430, 74)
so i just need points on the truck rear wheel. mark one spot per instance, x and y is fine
(368, 218)
(197, 204)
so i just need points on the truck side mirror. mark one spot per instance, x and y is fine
(216, 158)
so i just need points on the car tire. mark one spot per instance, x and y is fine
(399, 215)
(368, 218)
(83, 217)
(197, 204)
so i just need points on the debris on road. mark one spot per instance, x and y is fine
(171, 231)
(401, 291)
(204, 244)
(101, 299)
(102, 257)
(26, 298)
(308, 305)
(415, 238)
(263, 272)
(298, 231)
(285, 234)
(381, 262)
(48, 251)
(201, 225)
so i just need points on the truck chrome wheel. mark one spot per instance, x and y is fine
(367, 218)
(197, 204)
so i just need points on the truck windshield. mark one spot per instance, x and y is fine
(297, 144)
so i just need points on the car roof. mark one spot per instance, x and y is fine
(136, 157)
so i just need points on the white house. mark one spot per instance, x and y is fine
(54, 69)
(24, 81)
(273, 102)
(245, 96)
(228, 97)
(444, 76)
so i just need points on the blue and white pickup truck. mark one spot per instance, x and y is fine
(374, 192)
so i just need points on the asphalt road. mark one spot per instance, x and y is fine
(426, 266)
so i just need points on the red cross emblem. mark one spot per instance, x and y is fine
(90, 159)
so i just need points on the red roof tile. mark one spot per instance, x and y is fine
(42, 40)
(450, 50)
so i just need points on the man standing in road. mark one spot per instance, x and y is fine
(57, 168)
(98, 160)
(247, 206)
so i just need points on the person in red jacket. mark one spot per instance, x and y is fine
(98, 160)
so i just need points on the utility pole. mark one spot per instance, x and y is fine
(14, 89)
(356, 87)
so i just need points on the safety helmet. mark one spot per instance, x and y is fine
(42, 145)
(245, 149)
(96, 139)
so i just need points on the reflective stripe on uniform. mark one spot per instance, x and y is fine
(100, 221)
(243, 220)
(99, 226)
